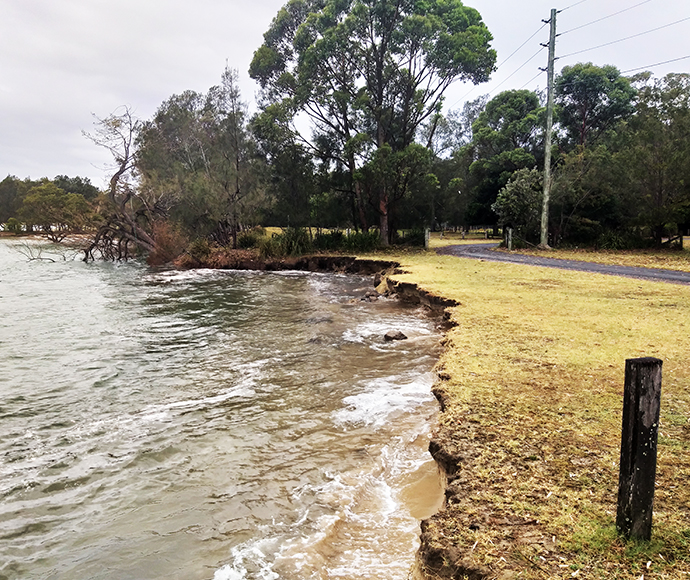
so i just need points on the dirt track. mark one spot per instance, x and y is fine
(485, 252)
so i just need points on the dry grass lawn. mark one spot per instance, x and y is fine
(668, 260)
(532, 377)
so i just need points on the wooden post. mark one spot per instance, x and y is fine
(641, 402)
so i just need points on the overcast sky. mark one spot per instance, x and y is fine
(63, 60)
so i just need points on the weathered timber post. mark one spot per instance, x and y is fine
(641, 402)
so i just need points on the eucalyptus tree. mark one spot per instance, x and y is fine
(507, 136)
(368, 74)
(591, 100)
(657, 156)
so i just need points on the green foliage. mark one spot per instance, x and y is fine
(291, 242)
(518, 204)
(197, 156)
(362, 241)
(349, 66)
(621, 240)
(334, 240)
(592, 100)
(80, 185)
(249, 239)
(416, 238)
(200, 249)
(13, 225)
(352, 242)
(54, 212)
(507, 136)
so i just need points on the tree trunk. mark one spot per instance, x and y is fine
(384, 223)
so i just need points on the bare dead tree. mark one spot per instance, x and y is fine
(130, 216)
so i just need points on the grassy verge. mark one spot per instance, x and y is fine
(665, 259)
(533, 379)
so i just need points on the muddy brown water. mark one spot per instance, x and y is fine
(209, 424)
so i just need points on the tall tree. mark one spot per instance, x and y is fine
(233, 154)
(506, 136)
(197, 148)
(592, 99)
(369, 73)
(658, 155)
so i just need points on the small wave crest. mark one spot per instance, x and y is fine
(384, 397)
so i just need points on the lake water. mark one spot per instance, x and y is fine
(208, 424)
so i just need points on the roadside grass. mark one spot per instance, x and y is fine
(532, 379)
(667, 259)
(672, 259)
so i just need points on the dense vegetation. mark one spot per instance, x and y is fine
(350, 136)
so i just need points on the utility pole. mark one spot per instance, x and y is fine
(547, 141)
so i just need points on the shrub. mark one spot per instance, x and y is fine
(621, 240)
(271, 247)
(414, 238)
(199, 249)
(170, 243)
(249, 239)
(362, 241)
(331, 241)
(13, 226)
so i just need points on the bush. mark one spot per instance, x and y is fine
(170, 243)
(13, 226)
(249, 239)
(330, 241)
(199, 249)
(414, 238)
(362, 241)
(621, 240)
(271, 247)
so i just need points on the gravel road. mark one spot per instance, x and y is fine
(484, 252)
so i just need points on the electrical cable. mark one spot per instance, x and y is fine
(626, 38)
(571, 6)
(655, 64)
(604, 18)
(463, 98)
(517, 69)
(523, 44)
(541, 72)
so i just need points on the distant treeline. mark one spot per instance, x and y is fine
(378, 154)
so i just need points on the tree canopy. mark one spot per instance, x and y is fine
(592, 99)
(368, 73)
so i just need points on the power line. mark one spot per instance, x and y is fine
(572, 5)
(518, 69)
(541, 72)
(626, 38)
(523, 44)
(605, 17)
(655, 64)
(474, 88)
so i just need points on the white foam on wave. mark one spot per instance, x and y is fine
(383, 397)
(411, 326)
(352, 527)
